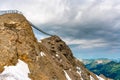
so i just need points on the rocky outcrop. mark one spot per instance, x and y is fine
(62, 56)
(16, 40)
(49, 59)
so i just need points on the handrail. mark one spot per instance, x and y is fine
(18, 12)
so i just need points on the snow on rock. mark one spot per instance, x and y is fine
(39, 41)
(57, 55)
(99, 78)
(79, 72)
(67, 76)
(91, 78)
(42, 54)
(78, 68)
(18, 72)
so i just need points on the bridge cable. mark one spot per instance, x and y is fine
(40, 29)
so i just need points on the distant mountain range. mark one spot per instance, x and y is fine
(96, 61)
(108, 67)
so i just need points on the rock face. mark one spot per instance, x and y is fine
(50, 59)
(16, 40)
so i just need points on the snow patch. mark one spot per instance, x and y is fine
(91, 78)
(80, 75)
(18, 72)
(67, 76)
(79, 72)
(99, 61)
(42, 54)
(78, 68)
(39, 41)
(99, 78)
(57, 55)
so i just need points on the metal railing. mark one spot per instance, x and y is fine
(18, 12)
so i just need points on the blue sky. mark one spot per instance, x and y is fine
(90, 27)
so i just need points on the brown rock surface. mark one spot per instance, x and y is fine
(17, 40)
(47, 60)
(62, 56)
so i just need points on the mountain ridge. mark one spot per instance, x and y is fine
(108, 67)
(48, 59)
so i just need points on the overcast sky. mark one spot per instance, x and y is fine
(90, 27)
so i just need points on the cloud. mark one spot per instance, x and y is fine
(87, 43)
(40, 11)
(66, 11)
(90, 23)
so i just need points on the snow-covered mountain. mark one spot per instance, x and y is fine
(22, 57)
(95, 61)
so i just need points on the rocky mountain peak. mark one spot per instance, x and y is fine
(48, 59)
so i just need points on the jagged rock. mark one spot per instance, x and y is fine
(50, 59)
(63, 57)
(17, 40)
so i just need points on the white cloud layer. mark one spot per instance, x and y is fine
(65, 11)
(98, 20)
(96, 43)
